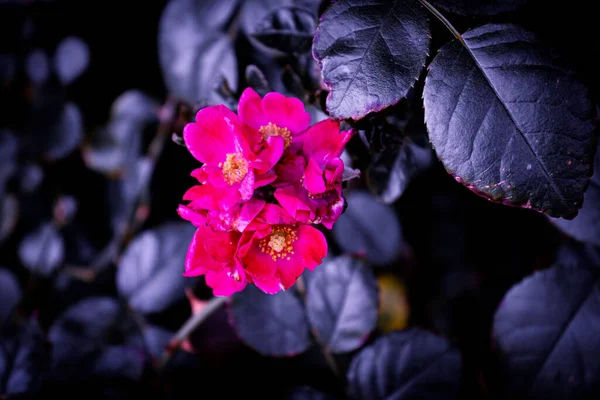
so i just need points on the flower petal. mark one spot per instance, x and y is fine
(221, 246)
(223, 284)
(197, 260)
(269, 286)
(208, 197)
(195, 217)
(269, 154)
(210, 174)
(289, 170)
(248, 212)
(285, 112)
(216, 133)
(250, 109)
(292, 201)
(312, 246)
(258, 264)
(324, 140)
(313, 177)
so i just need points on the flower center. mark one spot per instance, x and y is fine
(235, 168)
(279, 243)
(273, 130)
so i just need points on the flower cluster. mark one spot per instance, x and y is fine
(267, 177)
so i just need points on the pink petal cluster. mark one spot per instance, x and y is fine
(267, 177)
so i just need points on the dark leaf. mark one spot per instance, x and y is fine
(9, 147)
(308, 393)
(341, 303)
(370, 228)
(289, 29)
(150, 274)
(8, 66)
(547, 331)
(10, 294)
(66, 135)
(391, 171)
(409, 364)
(586, 225)
(23, 360)
(272, 324)
(370, 52)
(71, 59)
(194, 55)
(478, 7)
(135, 105)
(256, 80)
(43, 250)
(9, 215)
(156, 340)
(508, 122)
(119, 362)
(31, 177)
(37, 67)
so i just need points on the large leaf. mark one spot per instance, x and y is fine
(409, 364)
(370, 53)
(193, 53)
(289, 29)
(23, 360)
(42, 250)
(341, 303)
(369, 228)
(10, 294)
(508, 122)
(150, 273)
(274, 325)
(547, 330)
(478, 7)
(586, 225)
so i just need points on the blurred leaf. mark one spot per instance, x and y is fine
(150, 273)
(394, 308)
(478, 7)
(289, 29)
(134, 105)
(43, 250)
(7, 67)
(65, 135)
(341, 303)
(10, 294)
(156, 340)
(9, 215)
(370, 53)
(23, 360)
(308, 393)
(37, 67)
(509, 121)
(392, 170)
(9, 147)
(65, 209)
(272, 324)
(368, 227)
(547, 331)
(31, 177)
(83, 340)
(409, 364)
(193, 53)
(71, 59)
(586, 225)
(256, 79)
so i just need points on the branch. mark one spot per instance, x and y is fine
(443, 19)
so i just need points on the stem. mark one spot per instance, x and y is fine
(443, 19)
(190, 325)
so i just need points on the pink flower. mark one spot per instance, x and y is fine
(276, 252)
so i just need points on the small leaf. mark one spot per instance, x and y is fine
(136, 105)
(256, 79)
(289, 29)
(547, 331)
(66, 134)
(370, 53)
(272, 324)
(71, 59)
(10, 294)
(43, 250)
(392, 171)
(410, 364)
(341, 304)
(193, 53)
(37, 67)
(150, 273)
(479, 7)
(369, 228)
(23, 360)
(119, 362)
(586, 225)
(508, 122)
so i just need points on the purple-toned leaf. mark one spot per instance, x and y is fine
(342, 303)
(585, 226)
(509, 122)
(547, 332)
(478, 7)
(150, 273)
(370, 228)
(23, 360)
(370, 53)
(71, 59)
(409, 364)
(308, 393)
(37, 67)
(10, 294)
(42, 250)
(288, 29)
(272, 324)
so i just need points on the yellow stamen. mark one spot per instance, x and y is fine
(235, 168)
(279, 244)
(273, 130)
